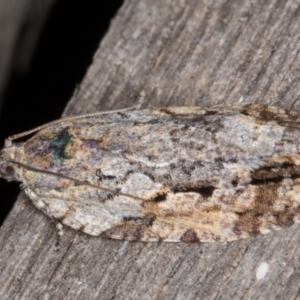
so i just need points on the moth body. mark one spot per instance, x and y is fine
(190, 174)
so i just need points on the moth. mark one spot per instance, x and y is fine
(174, 174)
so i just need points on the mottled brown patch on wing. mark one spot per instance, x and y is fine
(267, 181)
(131, 232)
(265, 114)
(126, 232)
(214, 208)
(276, 172)
(248, 222)
(270, 114)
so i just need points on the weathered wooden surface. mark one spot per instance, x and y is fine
(20, 24)
(177, 52)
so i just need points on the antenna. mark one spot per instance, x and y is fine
(8, 141)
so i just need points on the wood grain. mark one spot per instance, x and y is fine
(180, 52)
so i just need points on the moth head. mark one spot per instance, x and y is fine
(8, 170)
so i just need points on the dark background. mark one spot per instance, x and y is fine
(70, 37)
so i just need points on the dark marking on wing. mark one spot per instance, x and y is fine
(234, 183)
(167, 111)
(274, 173)
(159, 198)
(151, 157)
(190, 236)
(101, 176)
(219, 161)
(211, 112)
(147, 220)
(59, 144)
(154, 121)
(123, 115)
(265, 114)
(233, 160)
(148, 174)
(204, 191)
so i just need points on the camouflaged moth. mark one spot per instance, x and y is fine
(190, 174)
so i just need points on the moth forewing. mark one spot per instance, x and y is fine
(191, 174)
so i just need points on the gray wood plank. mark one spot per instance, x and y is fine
(180, 52)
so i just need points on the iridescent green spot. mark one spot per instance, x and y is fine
(59, 144)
